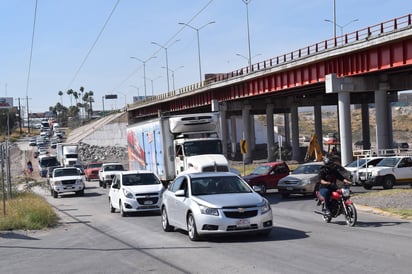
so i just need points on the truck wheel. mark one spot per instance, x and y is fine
(388, 182)
(80, 192)
(55, 194)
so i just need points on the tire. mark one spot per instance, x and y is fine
(80, 192)
(352, 216)
(285, 195)
(122, 212)
(327, 218)
(263, 188)
(191, 228)
(100, 183)
(388, 182)
(104, 184)
(165, 221)
(367, 186)
(55, 194)
(112, 209)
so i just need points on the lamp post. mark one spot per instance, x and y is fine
(144, 70)
(138, 95)
(167, 62)
(340, 26)
(151, 80)
(198, 43)
(246, 2)
(244, 57)
(173, 74)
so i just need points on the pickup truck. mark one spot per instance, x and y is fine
(390, 171)
(66, 179)
(107, 173)
(91, 170)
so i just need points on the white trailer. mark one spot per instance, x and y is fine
(168, 146)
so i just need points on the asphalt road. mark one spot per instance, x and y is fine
(92, 240)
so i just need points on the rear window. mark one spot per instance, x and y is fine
(140, 179)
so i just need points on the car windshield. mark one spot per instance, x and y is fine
(307, 169)
(202, 147)
(140, 179)
(219, 185)
(66, 172)
(260, 170)
(388, 162)
(113, 167)
(357, 163)
(97, 165)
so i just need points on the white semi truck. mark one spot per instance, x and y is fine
(67, 154)
(168, 146)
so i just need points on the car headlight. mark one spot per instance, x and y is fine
(57, 183)
(264, 206)
(208, 210)
(127, 194)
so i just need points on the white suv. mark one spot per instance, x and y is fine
(107, 173)
(388, 172)
(134, 191)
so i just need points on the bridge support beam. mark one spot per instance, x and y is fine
(317, 109)
(246, 132)
(287, 128)
(233, 137)
(345, 127)
(270, 132)
(295, 132)
(366, 135)
(382, 124)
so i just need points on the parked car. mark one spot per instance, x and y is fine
(134, 191)
(388, 172)
(305, 179)
(401, 146)
(91, 170)
(214, 203)
(267, 175)
(354, 167)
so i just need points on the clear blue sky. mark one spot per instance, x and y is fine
(66, 31)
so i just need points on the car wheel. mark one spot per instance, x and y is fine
(388, 182)
(112, 209)
(100, 183)
(367, 186)
(55, 194)
(284, 195)
(165, 221)
(191, 228)
(104, 184)
(80, 192)
(263, 188)
(122, 212)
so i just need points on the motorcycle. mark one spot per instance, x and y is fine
(340, 203)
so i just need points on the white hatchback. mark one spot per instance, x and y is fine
(134, 191)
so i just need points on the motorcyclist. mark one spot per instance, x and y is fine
(328, 175)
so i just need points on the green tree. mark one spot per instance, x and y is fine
(70, 93)
(61, 96)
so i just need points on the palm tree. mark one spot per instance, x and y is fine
(91, 100)
(81, 97)
(70, 92)
(61, 96)
(76, 96)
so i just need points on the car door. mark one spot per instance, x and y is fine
(115, 189)
(277, 173)
(404, 170)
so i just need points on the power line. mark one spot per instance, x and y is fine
(94, 44)
(31, 49)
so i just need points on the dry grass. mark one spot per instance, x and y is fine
(27, 211)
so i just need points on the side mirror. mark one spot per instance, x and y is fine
(257, 189)
(180, 193)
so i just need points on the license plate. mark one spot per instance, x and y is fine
(289, 188)
(242, 223)
(148, 202)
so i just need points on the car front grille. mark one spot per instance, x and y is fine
(147, 201)
(237, 228)
(68, 182)
(239, 214)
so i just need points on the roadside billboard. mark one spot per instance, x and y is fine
(6, 102)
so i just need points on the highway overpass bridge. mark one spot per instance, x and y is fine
(367, 66)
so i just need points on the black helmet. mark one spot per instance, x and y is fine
(328, 162)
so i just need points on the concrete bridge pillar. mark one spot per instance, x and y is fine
(295, 132)
(366, 135)
(317, 110)
(252, 145)
(345, 127)
(224, 128)
(287, 128)
(233, 138)
(382, 124)
(270, 132)
(247, 157)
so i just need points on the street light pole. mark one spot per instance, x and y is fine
(138, 95)
(341, 27)
(173, 74)
(246, 2)
(167, 62)
(198, 43)
(144, 71)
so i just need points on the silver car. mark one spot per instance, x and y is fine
(304, 179)
(214, 203)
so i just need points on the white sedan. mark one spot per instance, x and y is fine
(214, 203)
(134, 191)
